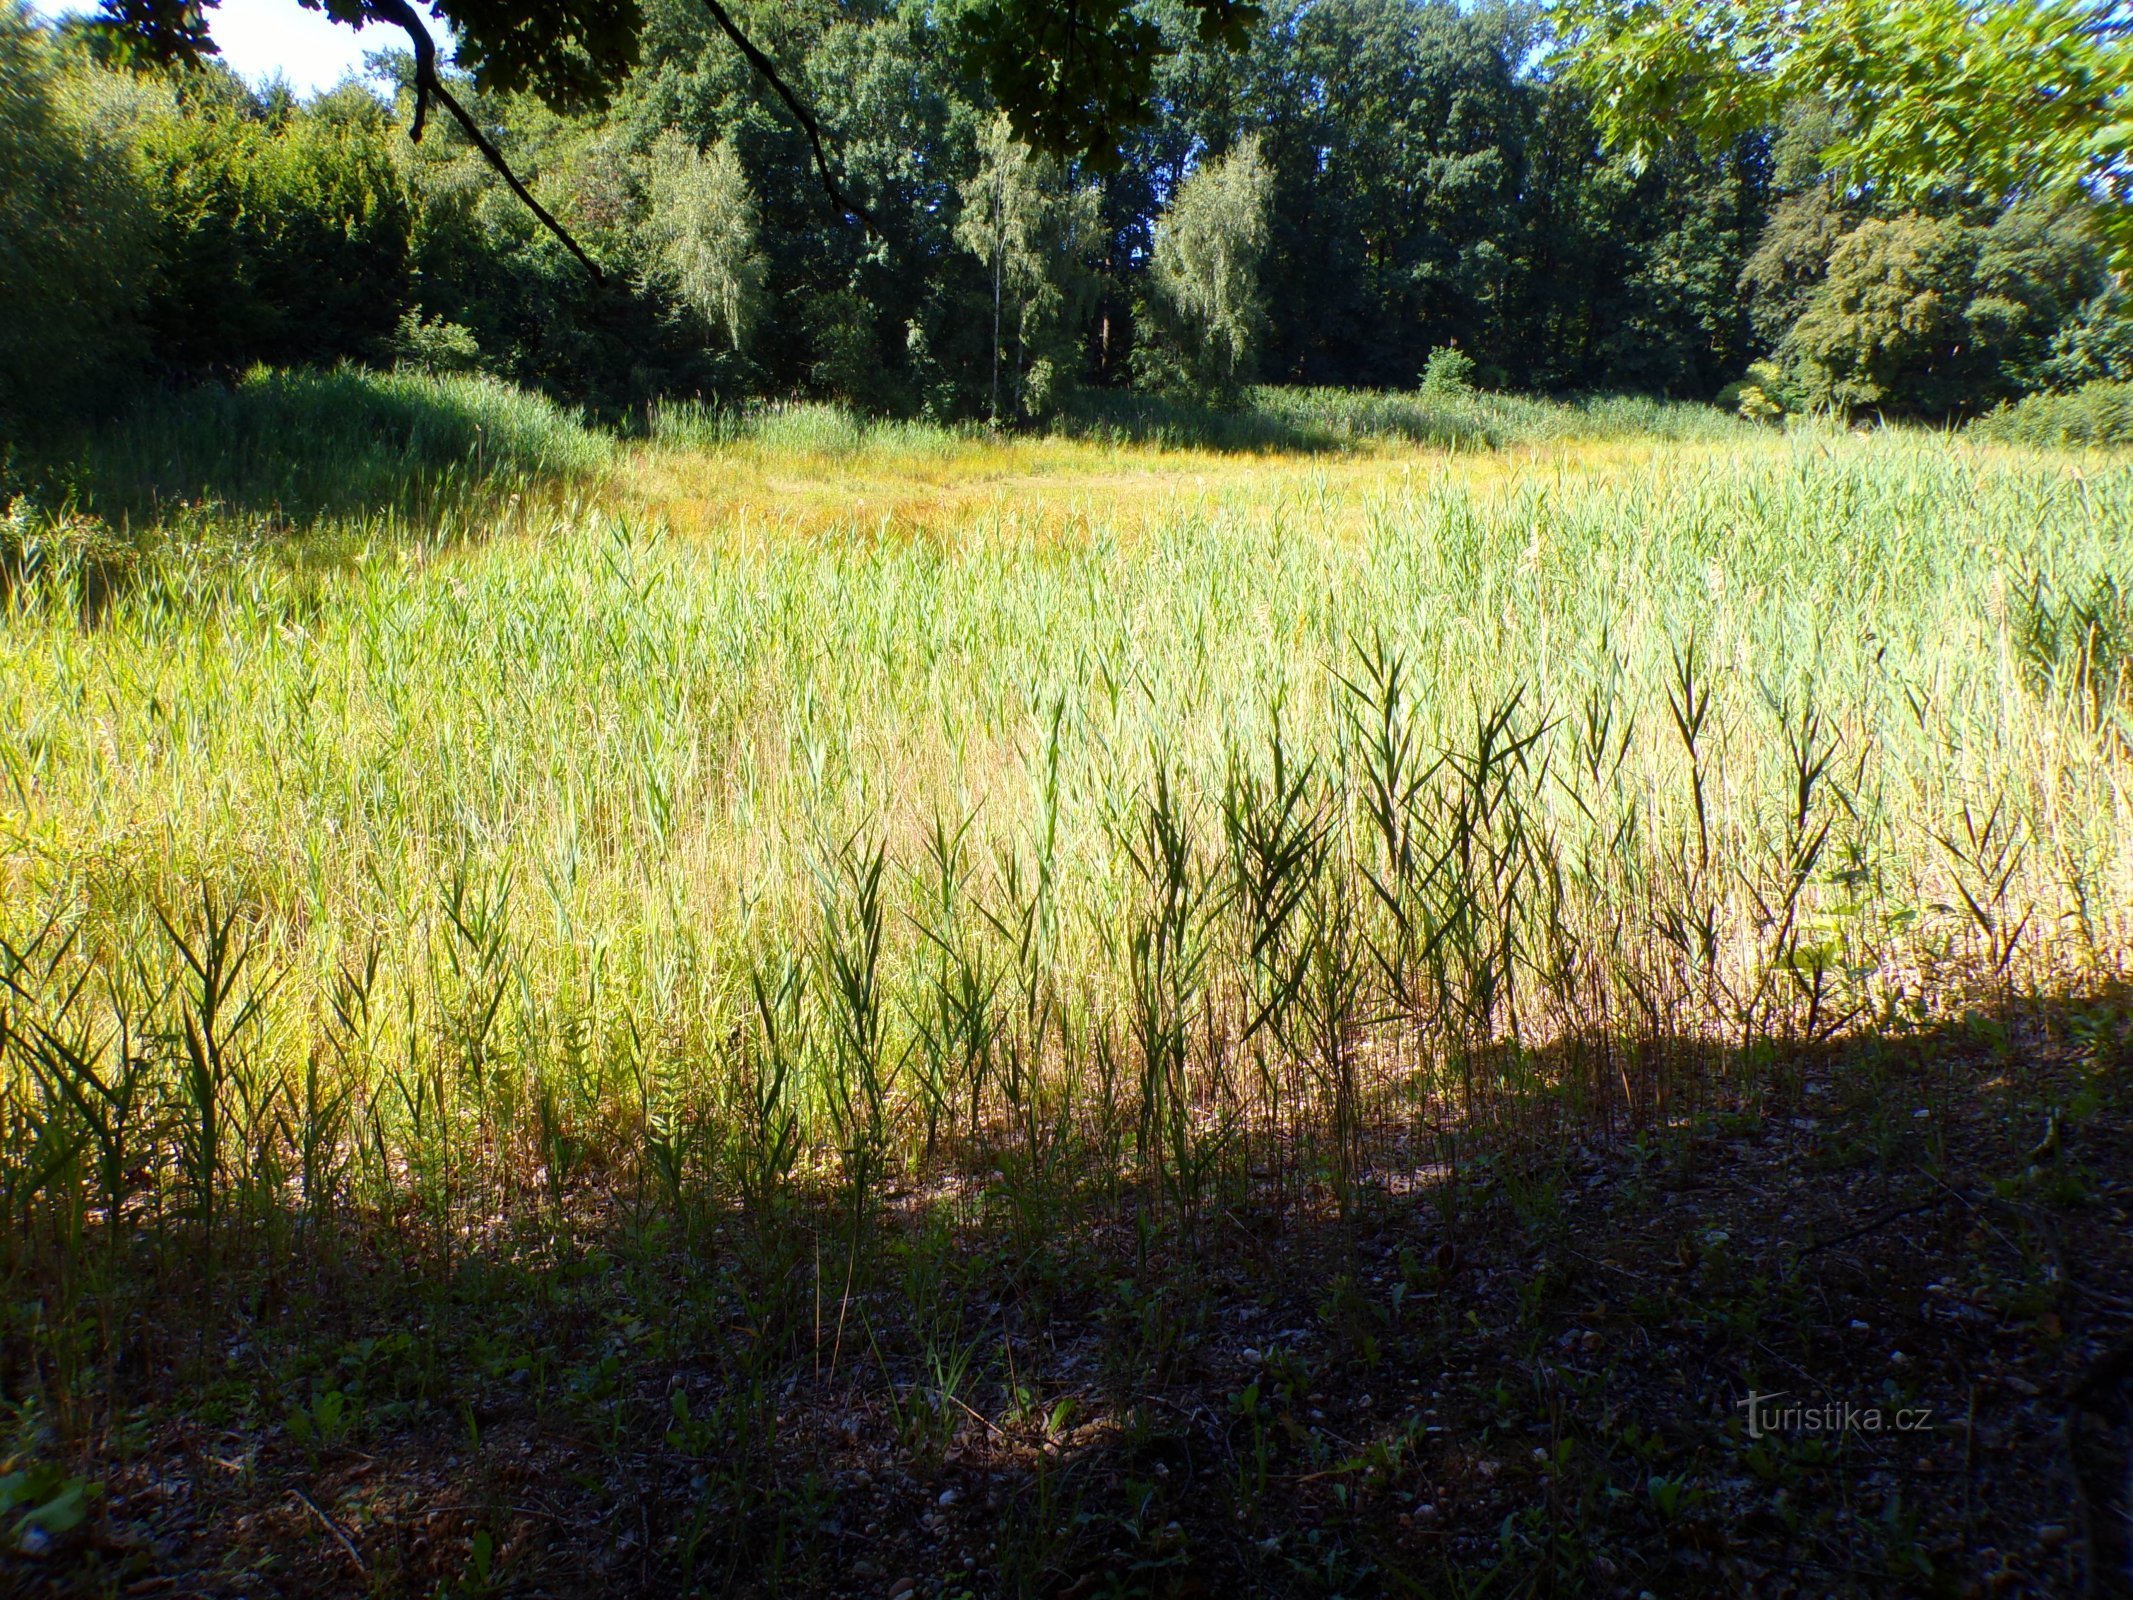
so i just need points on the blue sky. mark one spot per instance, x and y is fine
(261, 38)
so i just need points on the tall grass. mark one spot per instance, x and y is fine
(1272, 419)
(1343, 419)
(340, 452)
(797, 428)
(1286, 848)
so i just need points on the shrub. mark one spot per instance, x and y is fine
(282, 239)
(1763, 395)
(432, 344)
(2099, 413)
(1448, 374)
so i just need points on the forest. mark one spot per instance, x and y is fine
(1370, 182)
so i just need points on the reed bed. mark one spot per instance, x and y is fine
(1276, 838)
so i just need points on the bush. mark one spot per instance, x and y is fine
(1764, 395)
(1448, 374)
(284, 239)
(433, 345)
(2099, 413)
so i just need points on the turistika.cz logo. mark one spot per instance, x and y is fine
(1766, 1415)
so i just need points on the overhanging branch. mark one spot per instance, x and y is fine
(430, 82)
(767, 70)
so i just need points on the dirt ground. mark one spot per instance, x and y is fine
(1920, 1266)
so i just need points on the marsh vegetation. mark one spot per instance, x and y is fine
(798, 963)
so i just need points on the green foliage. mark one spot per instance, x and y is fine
(1919, 313)
(1763, 395)
(1448, 374)
(847, 355)
(1073, 79)
(2097, 413)
(1430, 187)
(1034, 229)
(700, 232)
(1889, 308)
(2039, 270)
(1981, 98)
(283, 234)
(40, 1499)
(432, 345)
(1415, 180)
(74, 224)
(2094, 343)
(1790, 259)
(1204, 284)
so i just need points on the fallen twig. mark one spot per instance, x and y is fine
(362, 1567)
(1873, 1226)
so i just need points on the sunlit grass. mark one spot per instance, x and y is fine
(812, 471)
(823, 804)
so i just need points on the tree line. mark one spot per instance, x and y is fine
(1371, 181)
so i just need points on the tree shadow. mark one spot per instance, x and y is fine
(1502, 1375)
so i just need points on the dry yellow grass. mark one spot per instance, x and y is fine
(1048, 488)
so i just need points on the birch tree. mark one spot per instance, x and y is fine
(1207, 312)
(700, 233)
(1034, 229)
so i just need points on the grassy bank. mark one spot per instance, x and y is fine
(1081, 844)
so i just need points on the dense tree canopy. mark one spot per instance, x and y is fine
(74, 221)
(1369, 181)
(1072, 76)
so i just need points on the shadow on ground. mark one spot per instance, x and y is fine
(1862, 1331)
